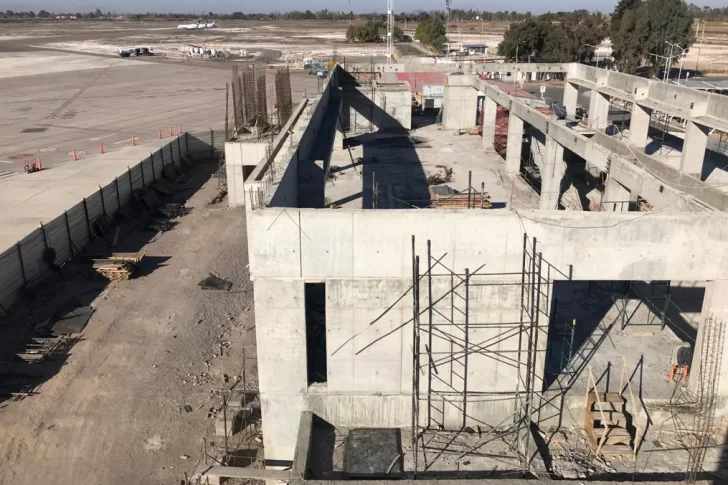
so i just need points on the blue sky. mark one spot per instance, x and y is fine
(226, 6)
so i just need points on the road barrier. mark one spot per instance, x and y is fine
(26, 263)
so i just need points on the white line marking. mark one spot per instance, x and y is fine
(127, 141)
(101, 137)
(6, 161)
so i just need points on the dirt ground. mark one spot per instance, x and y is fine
(130, 402)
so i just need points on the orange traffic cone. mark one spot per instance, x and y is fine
(179, 129)
(74, 157)
(40, 165)
(133, 141)
(170, 131)
(101, 148)
(159, 133)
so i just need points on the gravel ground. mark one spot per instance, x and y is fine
(115, 411)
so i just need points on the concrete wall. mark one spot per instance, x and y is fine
(396, 107)
(392, 108)
(460, 103)
(615, 246)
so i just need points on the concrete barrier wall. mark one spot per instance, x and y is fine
(70, 232)
(599, 246)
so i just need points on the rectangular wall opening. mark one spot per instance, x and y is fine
(315, 301)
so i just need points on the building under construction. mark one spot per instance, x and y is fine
(432, 303)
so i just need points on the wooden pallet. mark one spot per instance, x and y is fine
(117, 267)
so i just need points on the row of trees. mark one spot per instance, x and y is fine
(43, 14)
(571, 39)
(372, 31)
(641, 32)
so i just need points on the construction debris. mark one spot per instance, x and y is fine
(212, 282)
(119, 266)
(444, 197)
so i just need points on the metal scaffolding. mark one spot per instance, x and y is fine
(446, 340)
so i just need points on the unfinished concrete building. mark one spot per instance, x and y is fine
(409, 277)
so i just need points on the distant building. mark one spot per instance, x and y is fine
(474, 49)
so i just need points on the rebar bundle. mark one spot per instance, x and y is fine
(710, 358)
(250, 107)
(283, 95)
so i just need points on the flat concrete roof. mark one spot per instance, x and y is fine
(400, 164)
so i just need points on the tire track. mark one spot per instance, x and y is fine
(79, 93)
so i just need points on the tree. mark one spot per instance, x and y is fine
(43, 14)
(619, 11)
(669, 21)
(367, 32)
(629, 43)
(640, 29)
(523, 39)
(98, 13)
(432, 32)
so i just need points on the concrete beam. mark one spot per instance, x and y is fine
(490, 109)
(515, 144)
(639, 126)
(662, 174)
(551, 175)
(693, 153)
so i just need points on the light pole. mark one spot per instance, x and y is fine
(682, 56)
(664, 79)
(669, 62)
(595, 52)
(700, 46)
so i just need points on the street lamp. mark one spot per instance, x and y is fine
(682, 56)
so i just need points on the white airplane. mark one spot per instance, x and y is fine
(198, 25)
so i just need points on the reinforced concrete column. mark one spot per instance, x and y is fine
(598, 111)
(715, 307)
(515, 144)
(693, 153)
(571, 96)
(552, 173)
(490, 108)
(235, 174)
(616, 197)
(639, 126)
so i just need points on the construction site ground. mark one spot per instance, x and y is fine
(130, 402)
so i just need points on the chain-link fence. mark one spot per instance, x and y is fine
(57, 241)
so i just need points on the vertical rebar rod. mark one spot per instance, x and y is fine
(470, 187)
(663, 316)
(429, 331)
(467, 346)
(414, 359)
